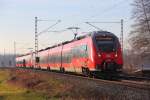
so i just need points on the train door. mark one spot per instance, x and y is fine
(24, 63)
(37, 61)
(32, 60)
(80, 57)
(85, 55)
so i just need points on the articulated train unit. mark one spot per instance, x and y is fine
(95, 52)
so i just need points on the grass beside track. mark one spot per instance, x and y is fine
(10, 91)
(30, 85)
(27, 84)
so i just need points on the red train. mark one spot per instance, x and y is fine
(95, 52)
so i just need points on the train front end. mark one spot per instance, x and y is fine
(108, 54)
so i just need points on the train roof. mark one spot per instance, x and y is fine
(103, 33)
(94, 33)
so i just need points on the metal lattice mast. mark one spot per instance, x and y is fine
(36, 42)
(121, 37)
(37, 59)
(15, 52)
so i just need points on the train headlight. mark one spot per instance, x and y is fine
(116, 55)
(99, 55)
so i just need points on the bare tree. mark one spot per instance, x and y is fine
(140, 35)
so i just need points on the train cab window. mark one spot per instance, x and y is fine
(106, 44)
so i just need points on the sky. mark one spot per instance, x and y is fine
(17, 20)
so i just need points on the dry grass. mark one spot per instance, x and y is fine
(54, 86)
(50, 86)
(14, 92)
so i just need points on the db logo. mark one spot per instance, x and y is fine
(108, 56)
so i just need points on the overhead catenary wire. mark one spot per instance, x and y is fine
(55, 31)
(109, 8)
(46, 30)
(93, 25)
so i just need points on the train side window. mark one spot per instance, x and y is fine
(84, 47)
(43, 59)
(73, 51)
(52, 58)
(85, 50)
(57, 58)
(80, 51)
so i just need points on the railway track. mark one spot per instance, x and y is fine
(122, 81)
(129, 77)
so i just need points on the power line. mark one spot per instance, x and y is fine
(45, 20)
(51, 31)
(89, 23)
(59, 31)
(104, 22)
(46, 30)
(110, 8)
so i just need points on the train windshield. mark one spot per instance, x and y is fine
(106, 44)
